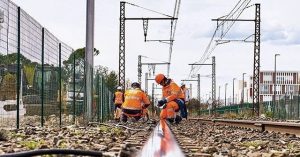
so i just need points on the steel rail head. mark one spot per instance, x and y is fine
(161, 143)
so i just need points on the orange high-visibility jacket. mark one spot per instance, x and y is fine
(169, 111)
(118, 97)
(134, 98)
(183, 90)
(172, 92)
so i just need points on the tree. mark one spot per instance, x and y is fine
(110, 77)
(79, 54)
(12, 59)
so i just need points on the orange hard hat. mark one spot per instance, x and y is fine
(159, 78)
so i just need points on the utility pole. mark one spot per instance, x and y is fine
(275, 85)
(213, 86)
(123, 18)
(89, 57)
(242, 101)
(225, 92)
(219, 96)
(140, 69)
(198, 89)
(233, 91)
(191, 90)
(256, 62)
(146, 82)
(140, 64)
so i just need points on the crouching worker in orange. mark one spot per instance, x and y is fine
(171, 95)
(135, 101)
(118, 101)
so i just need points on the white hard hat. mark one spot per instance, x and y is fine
(119, 88)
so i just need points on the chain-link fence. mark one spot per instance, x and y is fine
(41, 80)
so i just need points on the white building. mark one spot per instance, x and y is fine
(287, 83)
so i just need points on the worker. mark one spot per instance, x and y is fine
(118, 101)
(171, 102)
(135, 102)
(185, 95)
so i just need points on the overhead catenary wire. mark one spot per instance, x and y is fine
(233, 14)
(148, 9)
(173, 30)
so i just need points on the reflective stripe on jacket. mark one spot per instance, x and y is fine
(172, 92)
(118, 97)
(134, 98)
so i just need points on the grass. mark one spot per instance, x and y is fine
(255, 143)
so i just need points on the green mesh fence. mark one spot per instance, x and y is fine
(287, 108)
(41, 82)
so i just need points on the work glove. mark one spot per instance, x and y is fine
(162, 103)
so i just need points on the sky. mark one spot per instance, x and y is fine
(280, 33)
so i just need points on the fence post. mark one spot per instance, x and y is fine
(18, 68)
(42, 92)
(298, 109)
(59, 73)
(74, 96)
(102, 99)
(98, 98)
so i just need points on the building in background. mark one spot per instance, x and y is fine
(287, 83)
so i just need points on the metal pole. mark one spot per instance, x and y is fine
(225, 92)
(256, 64)
(122, 46)
(191, 90)
(60, 92)
(198, 89)
(275, 84)
(140, 69)
(233, 91)
(42, 92)
(74, 94)
(219, 95)
(298, 109)
(98, 100)
(146, 82)
(89, 57)
(18, 68)
(242, 101)
(213, 91)
(152, 97)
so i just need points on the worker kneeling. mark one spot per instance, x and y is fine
(169, 111)
(135, 102)
(171, 101)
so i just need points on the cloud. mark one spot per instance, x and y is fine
(282, 35)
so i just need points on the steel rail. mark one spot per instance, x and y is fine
(278, 127)
(161, 143)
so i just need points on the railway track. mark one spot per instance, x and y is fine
(278, 127)
(200, 137)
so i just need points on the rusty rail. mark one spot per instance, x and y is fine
(278, 127)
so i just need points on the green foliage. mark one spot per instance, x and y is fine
(29, 73)
(193, 105)
(269, 114)
(110, 77)
(8, 87)
(117, 131)
(31, 144)
(12, 59)
(79, 54)
(103, 129)
(255, 143)
(230, 115)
